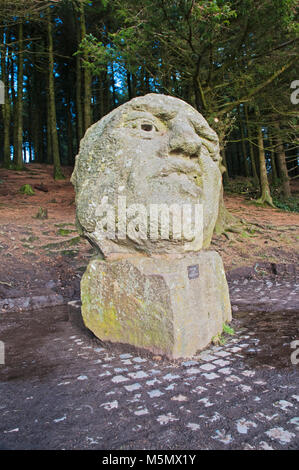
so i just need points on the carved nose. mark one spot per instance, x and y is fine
(184, 140)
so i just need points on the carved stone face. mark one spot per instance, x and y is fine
(155, 149)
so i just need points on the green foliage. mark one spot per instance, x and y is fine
(218, 339)
(74, 241)
(95, 55)
(63, 232)
(228, 330)
(63, 225)
(287, 204)
(242, 185)
(27, 189)
(215, 54)
(65, 244)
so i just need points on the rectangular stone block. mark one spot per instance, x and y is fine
(170, 305)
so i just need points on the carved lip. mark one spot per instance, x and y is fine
(179, 170)
(194, 189)
(180, 164)
(183, 169)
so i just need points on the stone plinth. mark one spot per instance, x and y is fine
(170, 305)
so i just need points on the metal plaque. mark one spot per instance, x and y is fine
(193, 271)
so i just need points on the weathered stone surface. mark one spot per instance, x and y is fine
(162, 293)
(155, 149)
(168, 305)
(34, 302)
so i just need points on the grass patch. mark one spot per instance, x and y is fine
(63, 245)
(27, 189)
(220, 339)
(68, 224)
(64, 232)
(228, 330)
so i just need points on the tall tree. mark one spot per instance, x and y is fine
(281, 158)
(265, 197)
(52, 106)
(86, 75)
(18, 155)
(6, 106)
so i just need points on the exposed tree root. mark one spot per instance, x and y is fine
(265, 199)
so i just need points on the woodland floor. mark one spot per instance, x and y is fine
(47, 254)
(61, 388)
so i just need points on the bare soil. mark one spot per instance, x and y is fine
(39, 255)
(48, 255)
(42, 256)
(270, 235)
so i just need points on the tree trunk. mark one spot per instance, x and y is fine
(113, 86)
(265, 197)
(281, 159)
(244, 149)
(101, 96)
(35, 132)
(225, 218)
(18, 157)
(36, 111)
(14, 109)
(69, 132)
(52, 106)
(129, 85)
(235, 156)
(134, 85)
(5, 107)
(225, 175)
(251, 150)
(273, 163)
(87, 78)
(79, 89)
(48, 127)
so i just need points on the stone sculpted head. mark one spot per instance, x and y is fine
(154, 149)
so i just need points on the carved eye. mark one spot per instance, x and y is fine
(147, 127)
(143, 126)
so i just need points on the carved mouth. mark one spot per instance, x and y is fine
(189, 183)
(185, 173)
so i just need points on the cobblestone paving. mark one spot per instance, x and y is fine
(69, 392)
(270, 295)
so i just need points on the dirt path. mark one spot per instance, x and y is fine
(39, 257)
